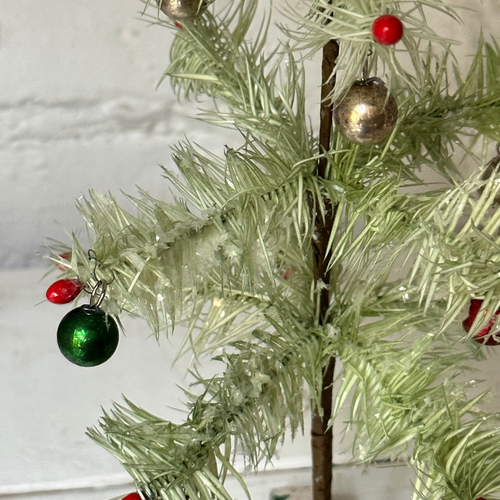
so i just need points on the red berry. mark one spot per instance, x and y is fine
(475, 305)
(132, 496)
(64, 291)
(387, 29)
(65, 256)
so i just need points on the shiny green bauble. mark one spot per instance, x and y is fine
(87, 336)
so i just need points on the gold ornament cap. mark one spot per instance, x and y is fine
(182, 10)
(367, 114)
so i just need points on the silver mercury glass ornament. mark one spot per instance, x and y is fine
(366, 115)
(182, 10)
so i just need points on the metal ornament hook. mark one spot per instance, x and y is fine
(98, 293)
(93, 257)
(366, 66)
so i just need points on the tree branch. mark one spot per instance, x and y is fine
(321, 433)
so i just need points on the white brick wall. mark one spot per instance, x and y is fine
(79, 109)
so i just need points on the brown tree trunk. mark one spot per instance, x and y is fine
(321, 434)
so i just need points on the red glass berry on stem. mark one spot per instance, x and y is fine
(483, 336)
(387, 29)
(64, 291)
(65, 256)
(132, 496)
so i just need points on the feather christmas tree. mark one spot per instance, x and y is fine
(301, 246)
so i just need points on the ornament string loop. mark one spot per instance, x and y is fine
(98, 293)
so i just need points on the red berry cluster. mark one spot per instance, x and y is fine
(482, 336)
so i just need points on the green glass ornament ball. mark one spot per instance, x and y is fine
(87, 336)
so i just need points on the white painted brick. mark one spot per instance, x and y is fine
(79, 109)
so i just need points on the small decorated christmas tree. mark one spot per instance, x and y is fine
(299, 246)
